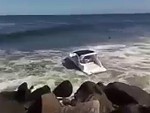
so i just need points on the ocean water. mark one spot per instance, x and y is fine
(32, 48)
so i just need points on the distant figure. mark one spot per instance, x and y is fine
(109, 37)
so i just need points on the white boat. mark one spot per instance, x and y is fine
(87, 61)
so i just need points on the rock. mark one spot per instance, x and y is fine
(8, 103)
(90, 91)
(13, 101)
(86, 89)
(101, 85)
(18, 95)
(38, 93)
(64, 89)
(35, 107)
(128, 109)
(84, 107)
(145, 109)
(8, 94)
(22, 92)
(47, 103)
(9, 106)
(123, 94)
(132, 108)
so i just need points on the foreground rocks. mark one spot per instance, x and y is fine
(91, 91)
(11, 102)
(64, 89)
(89, 98)
(132, 108)
(10, 106)
(123, 94)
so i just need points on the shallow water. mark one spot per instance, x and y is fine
(125, 63)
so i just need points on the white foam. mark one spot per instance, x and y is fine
(105, 47)
(45, 66)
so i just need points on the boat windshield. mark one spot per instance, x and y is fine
(87, 59)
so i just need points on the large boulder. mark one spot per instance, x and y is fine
(144, 109)
(101, 85)
(10, 106)
(22, 92)
(38, 93)
(64, 89)
(47, 103)
(84, 107)
(19, 95)
(8, 95)
(90, 91)
(123, 94)
(132, 108)
(11, 101)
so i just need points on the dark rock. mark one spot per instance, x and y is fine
(91, 91)
(8, 94)
(123, 94)
(10, 106)
(132, 108)
(145, 109)
(15, 101)
(101, 85)
(22, 92)
(8, 103)
(86, 89)
(38, 93)
(36, 106)
(18, 95)
(64, 89)
(47, 103)
(128, 109)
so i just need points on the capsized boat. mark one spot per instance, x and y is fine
(87, 61)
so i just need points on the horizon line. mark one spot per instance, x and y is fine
(72, 14)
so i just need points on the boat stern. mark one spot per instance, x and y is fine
(93, 69)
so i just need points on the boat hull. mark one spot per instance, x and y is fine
(90, 68)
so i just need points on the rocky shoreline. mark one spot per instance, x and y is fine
(90, 97)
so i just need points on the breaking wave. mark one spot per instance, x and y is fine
(125, 63)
